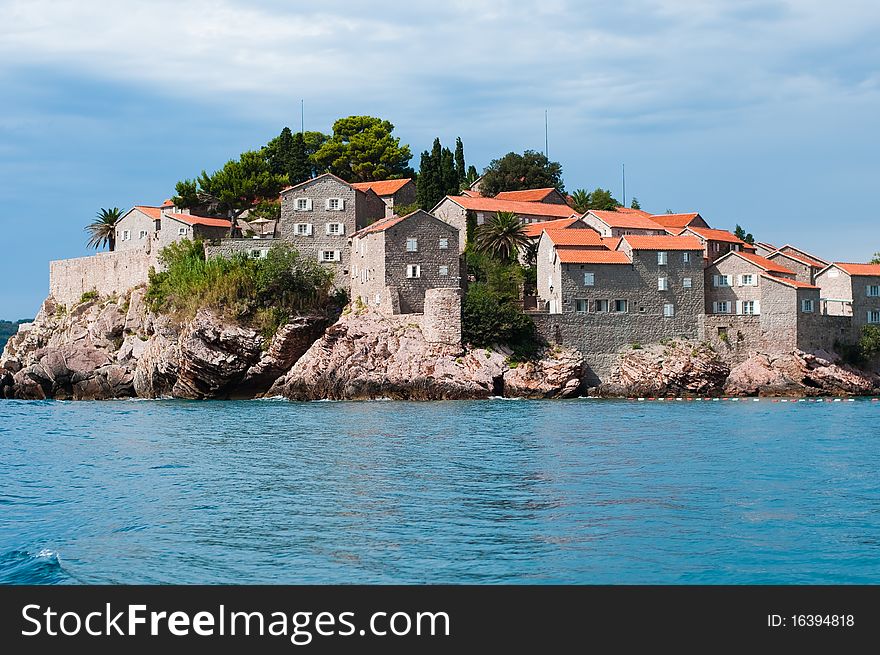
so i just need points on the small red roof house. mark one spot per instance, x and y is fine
(675, 223)
(618, 224)
(805, 265)
(717, 243)
(851, 289)
(533, 230)
(394, 193)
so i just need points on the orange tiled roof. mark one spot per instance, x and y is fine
(515, 206)
(625, 220)
(767, 264)
(717, 235)
(534, 230)
(674, 220)
(611, 242)
(591, 256)
(630, 210)
(200, 220)
(665, 242)
(381, 225)
(526, 195)
(766, 246)
(584, 237)
(383, 187)
(152, 212)
(797, 284)
(859, 269)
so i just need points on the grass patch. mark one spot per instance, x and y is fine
(87, 296)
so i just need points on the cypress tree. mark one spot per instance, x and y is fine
(448, 175)
(459, 160)
(300, 169)
(425, 185)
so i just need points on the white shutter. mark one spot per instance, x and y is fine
(337, 256)
(715, 281)
(739, 307)
(309, 204)
(341, 204)
(308, 228)
(714, 307)
(327, 227)
(341, 228)
(757, 308)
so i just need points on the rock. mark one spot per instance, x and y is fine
(798, 374)
(680, 369)
(557, 375)
(288, 345)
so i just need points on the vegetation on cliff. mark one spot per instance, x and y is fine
(264, 293)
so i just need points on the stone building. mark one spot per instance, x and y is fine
(152, 228)
(734, 281)
(764, 249)
(397, 259)
(717, 243)
(455, 210)
(621, 223)
(805, 266)
(851, 290)
(394, 193)
(676, 223)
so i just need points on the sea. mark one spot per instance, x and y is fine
(580, 491)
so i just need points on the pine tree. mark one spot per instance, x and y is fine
(460, 171)
(300, 168)
(635, 203)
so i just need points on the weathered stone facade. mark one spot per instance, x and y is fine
(803, 270)
(398, 259)
(319, 216)
(108, 273)
(849, 290)
(136, 229)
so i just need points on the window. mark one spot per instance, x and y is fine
(444, 271)
(721, 307)
(686, 258)
(335, 228)
(661, 257)
(330, 256)
(412, 245)
(716, 247)
(747, 280)
(481, 218)
(686, 283)
(259, 254)
(444, 244)
(335, 204)
(873, 316)
(302, 204)
(873, 290)
(721, 280)
(807, 306)
(748, 307)
(669, 310)
(601, 306)
(662, 284)
(379, 298)
(413, 271)
(143, 234)
(158, 224)
(589, 279)
(181, 231)
(581, 305)
(126, 235)
(621, 306)
(303, 229)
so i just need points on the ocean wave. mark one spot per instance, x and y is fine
(23, 567)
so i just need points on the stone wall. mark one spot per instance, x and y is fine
(229, 247)
(836, 292)
(803, 272)
(135, 222)
(456, 216)
(442, 317)
(108, 273)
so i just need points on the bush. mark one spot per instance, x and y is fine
(869, 343)
(488, 319)
(88, 295)
(265, 292)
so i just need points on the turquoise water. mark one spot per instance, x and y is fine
(580, 491)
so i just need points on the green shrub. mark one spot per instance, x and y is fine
(88, 295)
(264, 292)
(636, 346)
(866, 348)
(489, 318)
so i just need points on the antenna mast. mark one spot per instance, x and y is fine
(623, 167)
(302, 117)
(546, 148)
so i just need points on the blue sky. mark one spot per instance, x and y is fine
(759, 112)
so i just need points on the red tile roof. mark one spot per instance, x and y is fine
(534, 230)
(859, 269)
(797, 284)
(665, 242)
(200, 220)
(630, 210)
(468, 193)
(522, 208)
(383, 187)
(625, 220)
(168, 203)
(526, 195)
(674, 220)
(589, 256)
(717, 235)
(381, 225)
(152, 212)
(611, 242)
(767, 264)
(576, 237)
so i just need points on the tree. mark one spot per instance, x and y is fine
(286, 155)
(601, 199)
(635, 203)
(362, 149)
(470, 177)
(740, 233)
(514, 172)
(438, 174)
(102, 231)
(232, 189)
(502, 236)
(460, 171)
(876, 259)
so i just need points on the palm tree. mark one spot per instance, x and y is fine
(502, 236)
(102, 231)
(580, 201)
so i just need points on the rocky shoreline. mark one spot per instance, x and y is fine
(116, 348)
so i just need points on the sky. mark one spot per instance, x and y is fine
(757, 112)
